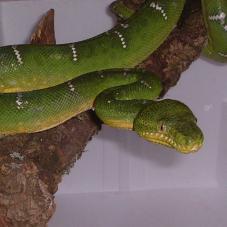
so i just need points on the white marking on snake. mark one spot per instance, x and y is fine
(145, 84)
(18, 55)
(19, 101)
(71, 86)
(157, 7)
(124, 25)
(219, 18)
(74, 52)
(124, 45)
(222, 54)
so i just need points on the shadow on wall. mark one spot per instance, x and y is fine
(129, 142)
(222, 150)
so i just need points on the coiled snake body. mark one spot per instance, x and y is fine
(43, 86)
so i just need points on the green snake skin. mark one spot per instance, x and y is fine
(32, 67)
(42, 86)
(121, 10)
(120, 99)
(215, 15)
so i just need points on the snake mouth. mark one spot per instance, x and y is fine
(163, 139)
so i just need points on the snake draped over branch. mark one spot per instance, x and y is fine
(42, 86)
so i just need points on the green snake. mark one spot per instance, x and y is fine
(42, 86)
(215, 17)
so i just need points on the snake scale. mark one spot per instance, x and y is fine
(215, 17)
(42, 86)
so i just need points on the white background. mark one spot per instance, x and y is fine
(123, 180)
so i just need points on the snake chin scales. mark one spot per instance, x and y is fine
(169, 141)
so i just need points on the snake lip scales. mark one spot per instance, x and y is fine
(169, 141)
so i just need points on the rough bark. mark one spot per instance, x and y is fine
(31, 166)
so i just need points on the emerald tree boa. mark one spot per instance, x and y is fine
(42, 86)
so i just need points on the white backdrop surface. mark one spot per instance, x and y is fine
(119, 162)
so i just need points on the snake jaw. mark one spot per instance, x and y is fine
(163, 139)
(183, 136)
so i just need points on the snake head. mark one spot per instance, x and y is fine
(170, 123)
(179, 133)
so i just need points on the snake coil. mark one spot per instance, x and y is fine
(43, 86)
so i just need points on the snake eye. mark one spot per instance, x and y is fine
(163, 128)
